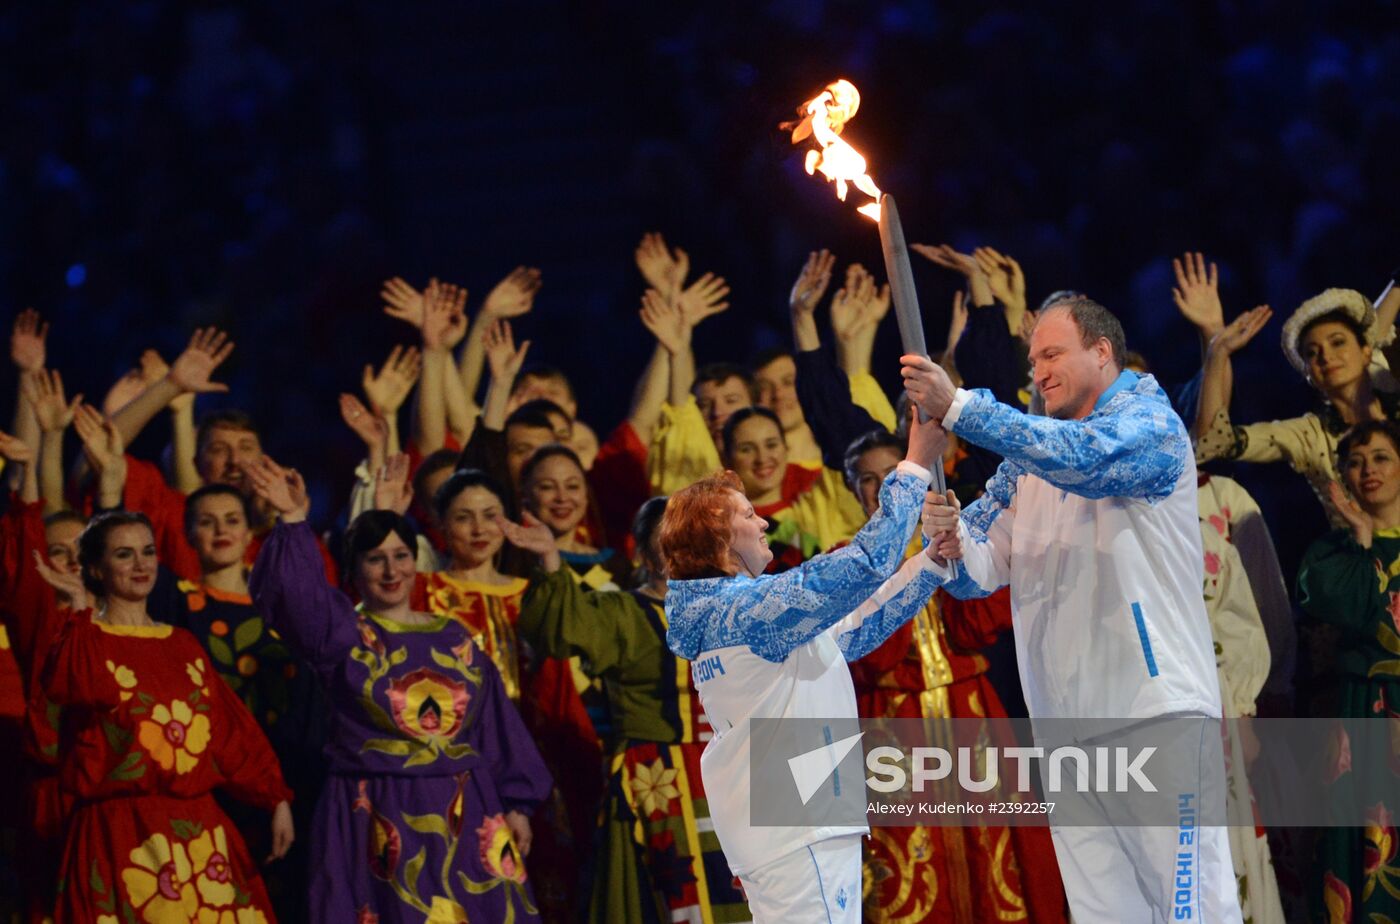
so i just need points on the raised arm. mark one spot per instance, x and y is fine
(28, 351)
(431, 431)
(1007, 282)
(857, 309)
(189, 374)
(910, 588)
(105, 454)
(386, 392)
(44, 392)
(806, 294)
(288, 583)
(1217, 379)
(662, 316)
(506, 361)
(512, 297)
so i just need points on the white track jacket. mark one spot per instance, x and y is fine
(776, 646)
(1094, 525)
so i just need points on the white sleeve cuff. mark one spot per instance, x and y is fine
(915, 469)
(945, 572)
(960, 398)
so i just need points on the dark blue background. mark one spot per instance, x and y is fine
(262, 167)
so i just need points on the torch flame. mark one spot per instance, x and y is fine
(823, 119)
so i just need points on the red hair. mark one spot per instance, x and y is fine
(697, 527)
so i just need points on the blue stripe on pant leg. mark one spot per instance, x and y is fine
(1146, 642)
(820, 887)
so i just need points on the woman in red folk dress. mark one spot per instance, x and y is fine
(149, 730)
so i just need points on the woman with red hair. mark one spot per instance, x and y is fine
(776, 646)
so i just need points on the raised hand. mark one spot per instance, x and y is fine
(14, 449)
(102, 441)
(44, 392)
(513, 295)
(456, 298)
(153, 369)
(533, 536)
(1197, 294)
(812, 282)
(664, 319)
(948, 258)
(283, 489)
(1027, 326)
(661, 268)
(65, 583)
(1004, 276)
(1235, 335)
(388, 390)
(27, 339)
(393, 488)
(444, 323)
(1363, 526)
(702, 298)
(368, 426)
(847, 303)
(207, 350)
(958, 322)
(402, 301)
(501, 354)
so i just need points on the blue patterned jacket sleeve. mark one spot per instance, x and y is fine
(1135, 446)
(894, 604)
(981, 571)
(775, 613)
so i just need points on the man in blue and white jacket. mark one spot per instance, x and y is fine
(1091, 519)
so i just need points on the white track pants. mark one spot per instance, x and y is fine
(818, 884)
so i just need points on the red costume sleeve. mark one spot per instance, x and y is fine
(619, 482)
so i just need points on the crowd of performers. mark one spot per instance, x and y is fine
(465, 708)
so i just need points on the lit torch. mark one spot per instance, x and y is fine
(823, 118)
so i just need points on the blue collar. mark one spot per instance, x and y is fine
(1126, 379)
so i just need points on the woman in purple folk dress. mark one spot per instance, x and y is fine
(432, 773)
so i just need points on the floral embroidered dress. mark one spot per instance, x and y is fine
(149, 731)
(286, 701)
(1356, 591)
(426, 755)
(930, 668)
(549, 701)
(659, 859)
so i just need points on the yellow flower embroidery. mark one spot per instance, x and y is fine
(195, 670)
(175, 736)
(101, 919)
(213, 875)
(160, 881)
(125, 678)
(653, 786)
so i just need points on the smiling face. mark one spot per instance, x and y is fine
(717, 400)
(127, 570)
(220, 534)
(759, 456)
(557, 493)
(223, 454)
(777, 391)
(384, 574)
(1372, 473)
(748, 541)
(472, 526)
(1069, 375)
(1334, 357)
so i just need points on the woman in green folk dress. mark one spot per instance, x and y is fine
(1349, 586)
